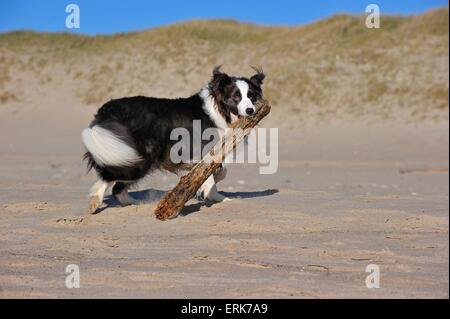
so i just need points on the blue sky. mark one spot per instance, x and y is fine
(111, 16)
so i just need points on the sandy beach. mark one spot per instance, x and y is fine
(345, 195)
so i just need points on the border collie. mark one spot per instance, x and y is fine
(130, 137)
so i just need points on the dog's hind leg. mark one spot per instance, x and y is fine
(120, 193)
(96, 194)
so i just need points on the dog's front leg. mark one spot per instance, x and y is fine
(208, 191)
(220, 173)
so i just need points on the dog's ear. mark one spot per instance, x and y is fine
(258, 77)
(219, 80)
(216, 71)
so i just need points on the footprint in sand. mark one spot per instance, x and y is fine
(70, 221)
(33, 207)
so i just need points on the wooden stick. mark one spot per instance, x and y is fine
(173, 202)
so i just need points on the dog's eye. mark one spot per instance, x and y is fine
(237, 94)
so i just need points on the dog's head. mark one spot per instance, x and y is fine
(236, 95)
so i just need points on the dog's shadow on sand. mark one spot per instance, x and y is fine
(149, 196)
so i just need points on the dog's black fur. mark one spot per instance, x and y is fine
(145, 124)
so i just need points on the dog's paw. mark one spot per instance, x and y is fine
(212, 196)
(217, 197)
(94, 204)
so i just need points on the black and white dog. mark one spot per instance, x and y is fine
(130, 137)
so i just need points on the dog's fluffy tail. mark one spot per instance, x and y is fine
(109, 146)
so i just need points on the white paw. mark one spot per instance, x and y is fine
(217, 197)
(94, 204)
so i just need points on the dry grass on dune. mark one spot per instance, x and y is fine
(332, 68)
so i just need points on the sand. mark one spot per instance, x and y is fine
(347, 194)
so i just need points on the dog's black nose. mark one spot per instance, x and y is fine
(249, 111)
